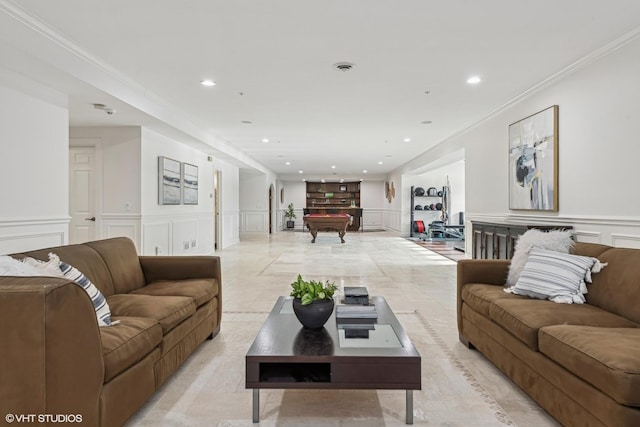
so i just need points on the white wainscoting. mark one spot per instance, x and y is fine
(121, 225)
(373, 219)
(26, 234)
(177, 234)
(392, 220)
(254, 221)
(230, 228)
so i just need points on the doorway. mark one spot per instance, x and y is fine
(84, 190)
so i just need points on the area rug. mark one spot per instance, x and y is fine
(208, 390)
(444, 248)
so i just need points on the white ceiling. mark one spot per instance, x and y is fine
(273, 65)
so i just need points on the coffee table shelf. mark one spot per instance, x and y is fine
(286, 356)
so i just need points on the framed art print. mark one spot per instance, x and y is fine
(169, 184)
(533, 162)
(190, 184)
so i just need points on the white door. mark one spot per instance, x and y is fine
(217, 232)
(82, 194)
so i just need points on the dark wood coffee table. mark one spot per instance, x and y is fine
(286, 356)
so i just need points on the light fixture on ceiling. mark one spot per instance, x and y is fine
(364, 171)
(343, 66)
(407, 140)
(474, 80)
(287, 163)
(379, 163)
(265, 140)
(207, 83)
(333, 166)
(110, 111)
(300, 171)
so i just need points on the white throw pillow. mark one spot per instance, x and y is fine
(45, 268)
(10, 266)
(553, 240)
(556, 276)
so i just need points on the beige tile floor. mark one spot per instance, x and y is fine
(459, 386)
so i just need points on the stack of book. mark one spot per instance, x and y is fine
(350, 314)
(356, 295)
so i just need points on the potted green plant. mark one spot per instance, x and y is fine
(290, 215)
(312, 301)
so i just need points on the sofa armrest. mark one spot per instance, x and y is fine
(486, 271)
(51, 362)
(157, 268)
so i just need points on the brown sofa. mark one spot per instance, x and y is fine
(56, 360)
(580, 362)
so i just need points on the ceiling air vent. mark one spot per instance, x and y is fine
(343, 66)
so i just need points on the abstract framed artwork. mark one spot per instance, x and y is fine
(169, 184)
(533, 162)
(190, 184)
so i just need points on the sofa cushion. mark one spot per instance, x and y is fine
(556, 276)
(617, 288)
(127, 343)
(84, 259)
(480, 296)
(607, 358)
(524, 317)
(201, 290)
(169, 311)
(121, 258)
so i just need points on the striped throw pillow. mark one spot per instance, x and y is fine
(103, 313)
(556, 276)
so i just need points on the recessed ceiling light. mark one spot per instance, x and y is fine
(300, 171)
(343, 66)
(426, 122)
(333, 166)
(322, 180)
(474, 80)
(364, 171)
(208, 83)
(341, 179)
(407, 140)
(246, 122)
(379, 163)
(265, 140)
(287, 163)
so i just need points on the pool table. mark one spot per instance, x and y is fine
(338, 222)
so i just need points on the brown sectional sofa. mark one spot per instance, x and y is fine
(56, 360)
(580, 362)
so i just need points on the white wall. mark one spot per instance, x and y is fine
(229, 202)
(34, 211)
(175, 229)
(372, 200)
(395, 214)
(118, 149)
(254, 203)
(129, 196)
(599, 108)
